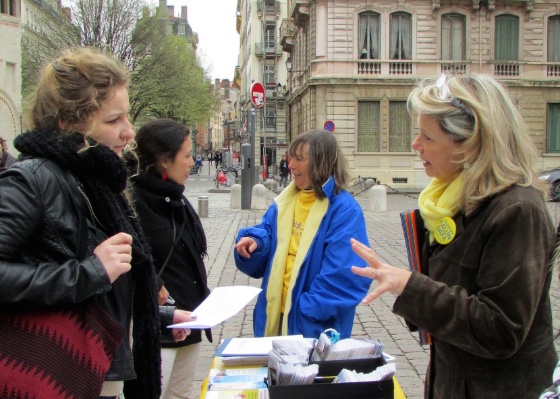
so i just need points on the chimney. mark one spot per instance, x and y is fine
(67, 11)
(184, 13)
(216, 83)
(171, 11)
(163, 4)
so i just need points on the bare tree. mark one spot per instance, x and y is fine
(108, 24)
(167, 79)
(42, 41)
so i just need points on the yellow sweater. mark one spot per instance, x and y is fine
(304, 201)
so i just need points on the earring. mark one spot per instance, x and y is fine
(164, 176)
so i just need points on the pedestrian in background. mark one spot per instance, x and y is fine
(301, 248)
(283, 166)
(73, 257)
(177, 239)
(198, 164)
(486, 240)
(6, 159)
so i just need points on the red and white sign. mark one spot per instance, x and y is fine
(329, 126)
(257, 94)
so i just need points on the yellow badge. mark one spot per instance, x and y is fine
(444, 231)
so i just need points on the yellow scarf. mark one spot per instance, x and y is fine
(439, 199)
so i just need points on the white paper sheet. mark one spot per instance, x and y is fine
(253, 346)
(221, 304)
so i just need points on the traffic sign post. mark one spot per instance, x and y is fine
(258, 94)
(329, 126)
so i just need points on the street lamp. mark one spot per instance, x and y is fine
(289, 65)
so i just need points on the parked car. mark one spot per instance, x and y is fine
(552, 177)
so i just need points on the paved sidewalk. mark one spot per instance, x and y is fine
(375, 320)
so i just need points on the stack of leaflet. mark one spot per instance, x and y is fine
(241, 379)
(246, 351)
(381, 373)
(288, 362)
(345, 349)
(296, 374)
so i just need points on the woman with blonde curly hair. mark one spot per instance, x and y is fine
(78, 292)
(485, 239)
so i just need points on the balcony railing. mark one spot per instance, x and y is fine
(454, 67)
(400, 68)
(553, 70)
(287, 32)
(268, 6)
(268, 50)
(369, 67)
(507, 68)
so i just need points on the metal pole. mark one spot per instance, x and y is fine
(246, 176)
(252, 127)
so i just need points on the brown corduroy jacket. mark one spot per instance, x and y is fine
(484, 298)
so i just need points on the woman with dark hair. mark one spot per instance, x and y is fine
(78, 293)
(177, 239)
(301, 248)
(6, 159)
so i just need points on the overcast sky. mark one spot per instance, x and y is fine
(218, 40)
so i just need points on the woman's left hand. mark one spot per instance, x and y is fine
(181, 316)
(389, 278)
(163, 294)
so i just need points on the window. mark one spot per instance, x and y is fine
(553, 128)
(401, 36)
(554, 39)
(400, 127)
(453, 37)
(507, 38)
(369, 126)
(270, 38)
(270, 75)
(270, 118)
(368, 36)
(9, 7)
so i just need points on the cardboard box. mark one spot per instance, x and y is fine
(327, 390)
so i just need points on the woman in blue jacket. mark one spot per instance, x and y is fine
(301, 248)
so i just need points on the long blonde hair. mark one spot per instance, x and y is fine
(497, 150)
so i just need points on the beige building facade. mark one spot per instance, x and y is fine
(355, 62)
(10, 71)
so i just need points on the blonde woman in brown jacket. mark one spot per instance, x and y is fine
(487, 239)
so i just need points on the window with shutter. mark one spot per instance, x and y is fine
(453, 37)
(553, 53)
(507, 38)
(553, 128)
(400, 127)
(369, 126)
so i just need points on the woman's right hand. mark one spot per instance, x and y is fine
(116, 254)
(246, 246)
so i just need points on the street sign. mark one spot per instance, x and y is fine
(257, 94)
(329, 126)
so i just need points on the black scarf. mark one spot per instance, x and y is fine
(103, 175)
(151, 181)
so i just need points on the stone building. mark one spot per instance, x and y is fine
(262, 60)
(10, 71)
(354, 62)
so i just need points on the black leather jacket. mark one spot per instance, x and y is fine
(39, 233)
